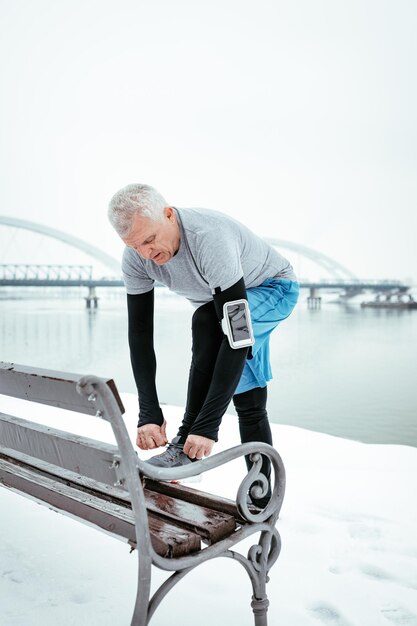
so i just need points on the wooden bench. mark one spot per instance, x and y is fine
(172, 526)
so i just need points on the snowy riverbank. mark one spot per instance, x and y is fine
(348, 529)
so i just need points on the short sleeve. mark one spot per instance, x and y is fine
(134, 273)
(219, 259)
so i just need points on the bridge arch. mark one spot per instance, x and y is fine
(330, 265)
(335, 269)
(96, 253)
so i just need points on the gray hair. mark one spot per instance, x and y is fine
(133, 200)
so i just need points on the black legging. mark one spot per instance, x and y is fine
(254, 426)
(207, 337)
(250, 406)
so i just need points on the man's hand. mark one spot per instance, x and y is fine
(197, 447)
(151, 436)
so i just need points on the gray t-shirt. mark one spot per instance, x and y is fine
(215, 251)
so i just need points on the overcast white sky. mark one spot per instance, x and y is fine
(297, 117)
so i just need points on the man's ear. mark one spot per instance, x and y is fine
(169, 213)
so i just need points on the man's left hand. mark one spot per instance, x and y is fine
(197, 447)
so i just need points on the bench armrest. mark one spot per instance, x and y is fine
(255, 450)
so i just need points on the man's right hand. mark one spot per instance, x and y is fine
(151, 436)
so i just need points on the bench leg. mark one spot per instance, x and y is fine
(260, 608)
(140, 612)
(262, 557)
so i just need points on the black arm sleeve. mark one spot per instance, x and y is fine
(142, 355)
(226, 374)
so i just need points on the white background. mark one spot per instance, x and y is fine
(299, 118)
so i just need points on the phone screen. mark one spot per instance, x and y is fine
(238, 322)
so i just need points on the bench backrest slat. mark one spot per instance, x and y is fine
(48, 387)
(75, 453)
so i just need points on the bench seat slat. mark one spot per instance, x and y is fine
(194, 496)
(210, 525)
(167, 539)
(171, 541)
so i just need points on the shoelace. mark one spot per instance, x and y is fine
(172, 451)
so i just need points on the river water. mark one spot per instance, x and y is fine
(341, 370)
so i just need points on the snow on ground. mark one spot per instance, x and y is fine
(348, 529)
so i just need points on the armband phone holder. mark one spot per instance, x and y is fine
(237, 324)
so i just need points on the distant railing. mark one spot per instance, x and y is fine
(45, 272)
(353, 282)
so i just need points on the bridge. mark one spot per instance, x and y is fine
(43, 275)
(81, 276)
(15, 275)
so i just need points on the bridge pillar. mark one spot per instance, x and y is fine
(314, 300)
(91, 300)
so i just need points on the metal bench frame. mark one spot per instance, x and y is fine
(100, 398)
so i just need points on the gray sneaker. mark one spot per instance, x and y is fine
(172, 457)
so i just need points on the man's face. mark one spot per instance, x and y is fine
(157, 241)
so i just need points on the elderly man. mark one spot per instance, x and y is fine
(221, 267)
